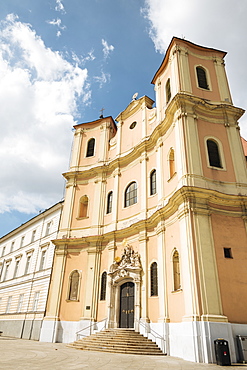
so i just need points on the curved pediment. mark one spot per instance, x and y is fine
(134, 106)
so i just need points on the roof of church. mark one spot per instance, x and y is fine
(173, 41)
(99, 120)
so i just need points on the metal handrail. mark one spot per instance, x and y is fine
(90, 327)
(149, 330)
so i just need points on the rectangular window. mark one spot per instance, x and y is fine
(3, 251)
(228, 253)
(28, 264)
(12, 247)
(6, 271)
(22, 241)
(42, 259)
(35, 301)
(33, 236)
(48, 228)
(20, 302)
(8, 304)
(17, 264)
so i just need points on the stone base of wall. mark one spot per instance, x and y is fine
(26, 329)
(191, 341)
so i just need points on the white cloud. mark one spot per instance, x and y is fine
(39, 93)
(106, 48)
(104, 78)
(219, 24)
(60, 7)
(57, 22)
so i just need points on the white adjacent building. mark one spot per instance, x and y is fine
(26, 258)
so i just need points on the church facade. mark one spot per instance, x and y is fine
(153, 229)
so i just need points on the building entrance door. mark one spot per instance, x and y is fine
(127, 301)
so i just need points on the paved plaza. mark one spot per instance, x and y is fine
(21, 354)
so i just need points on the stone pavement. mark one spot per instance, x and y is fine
(21, 354)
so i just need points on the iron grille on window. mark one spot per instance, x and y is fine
(154, 279)
(131, 195)
(153, 183)
(103, 286)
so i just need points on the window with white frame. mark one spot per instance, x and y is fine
(48, 228)
(22, 241)
(8, 304)
(36, 301)
(3, 251)
(17, 265)
(33, 236)
(6, 271)
(12, 246)
(130, 195)
(42, 259)
(20, 302)
(28, 263)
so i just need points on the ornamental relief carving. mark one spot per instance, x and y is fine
(128, 265)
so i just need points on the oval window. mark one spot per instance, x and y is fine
(133, 125)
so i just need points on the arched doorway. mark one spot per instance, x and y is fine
(127, 299)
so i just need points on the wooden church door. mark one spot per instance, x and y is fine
(127, 301)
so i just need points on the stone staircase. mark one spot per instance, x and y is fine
(118, 341)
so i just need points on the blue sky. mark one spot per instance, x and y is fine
(61, 61)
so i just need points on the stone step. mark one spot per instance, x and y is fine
(115, 344)
(118, 341)
(152, 352)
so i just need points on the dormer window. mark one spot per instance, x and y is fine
(202, 78)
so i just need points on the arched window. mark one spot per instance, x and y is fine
(74, 286)
(154, 279)
(103, 286)
(213, 154)
(202, 78)
(130, 195)
(153, 182)
(168, 91)
(83, 206)
(90, 147)
(109, 202)
(172, 162)
(176, 271)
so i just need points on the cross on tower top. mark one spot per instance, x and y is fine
(102, 111)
